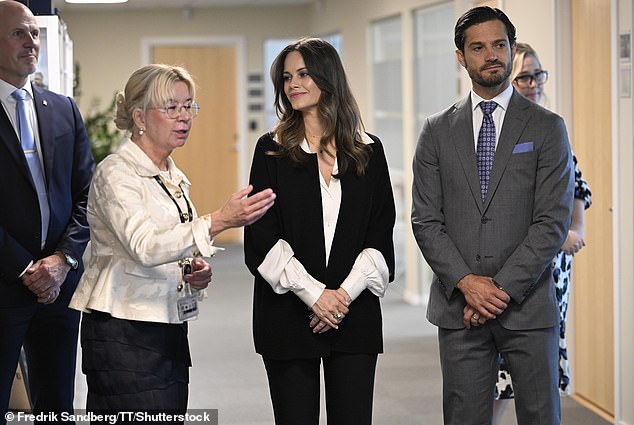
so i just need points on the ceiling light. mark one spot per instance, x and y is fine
(96, 1)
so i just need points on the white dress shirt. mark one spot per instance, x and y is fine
(285, 273)
(498, 114)
(136, 239)
(9, 104)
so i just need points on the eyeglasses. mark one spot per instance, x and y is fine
(540, 77)
(174, 111)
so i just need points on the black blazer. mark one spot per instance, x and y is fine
(366, 220)
(68, 166)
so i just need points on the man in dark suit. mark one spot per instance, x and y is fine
(492, 202)
(43, 227)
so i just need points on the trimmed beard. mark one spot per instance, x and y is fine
(493, 80)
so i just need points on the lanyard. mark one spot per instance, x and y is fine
(188, 216)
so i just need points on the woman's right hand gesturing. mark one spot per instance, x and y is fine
(240, 210)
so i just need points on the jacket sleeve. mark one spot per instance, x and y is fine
(380, 234)
(76, 235)
(428, 221)
(554, 190)
(14, 258)
(262, 235)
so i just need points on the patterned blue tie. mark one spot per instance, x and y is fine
(32, 158)
(486, 146)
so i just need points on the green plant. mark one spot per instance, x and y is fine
(102, 133)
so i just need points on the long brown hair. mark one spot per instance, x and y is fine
(337, 107)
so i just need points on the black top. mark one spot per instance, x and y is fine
(366, 220)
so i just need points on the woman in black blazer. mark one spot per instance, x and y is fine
(323, 254)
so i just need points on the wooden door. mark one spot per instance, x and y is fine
(593, 321)
(210, 157)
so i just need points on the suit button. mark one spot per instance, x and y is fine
(478, 258)
(484, 220)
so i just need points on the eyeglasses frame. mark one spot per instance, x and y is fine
(531, 77)
(193, 111)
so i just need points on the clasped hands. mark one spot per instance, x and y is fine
(485, 301)
(329, 310)
(45, 277)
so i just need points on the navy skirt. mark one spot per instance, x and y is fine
(134, 366)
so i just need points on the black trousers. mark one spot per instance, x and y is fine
(349, 385)
(49, 335)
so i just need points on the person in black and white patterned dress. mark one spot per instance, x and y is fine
(528, 78)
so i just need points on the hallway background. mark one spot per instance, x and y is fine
(229, 376)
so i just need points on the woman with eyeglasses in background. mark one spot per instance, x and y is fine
(148, 252)
(529, 78)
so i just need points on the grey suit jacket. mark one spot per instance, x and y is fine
(522, 224)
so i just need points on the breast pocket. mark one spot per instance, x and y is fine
(517, 185)
(523, 162)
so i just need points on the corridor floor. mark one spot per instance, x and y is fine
(229, 376)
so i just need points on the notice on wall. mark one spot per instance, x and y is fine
(625, 65)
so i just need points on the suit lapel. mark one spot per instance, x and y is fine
(45, 124)
(461, 134)
(12, 143)
(514, 122)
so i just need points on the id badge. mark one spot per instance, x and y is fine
(187, 304)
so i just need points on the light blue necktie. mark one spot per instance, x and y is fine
(32, 158)
(485, 151)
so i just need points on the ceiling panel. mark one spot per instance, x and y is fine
(154, 4)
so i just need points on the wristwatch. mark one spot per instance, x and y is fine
(70, 260)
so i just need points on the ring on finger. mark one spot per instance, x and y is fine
(475, 317)
(338, 316)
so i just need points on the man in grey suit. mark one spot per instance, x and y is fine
(492, 202)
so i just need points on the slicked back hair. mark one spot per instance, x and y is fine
(478, 15)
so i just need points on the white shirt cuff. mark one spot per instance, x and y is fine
(369, 271)
(24, 271)
(285, 273)
(202, 239)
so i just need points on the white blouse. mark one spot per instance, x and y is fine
(285, 273)
(137, 237)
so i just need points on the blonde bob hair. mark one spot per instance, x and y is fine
(149, 87)
(521, 51)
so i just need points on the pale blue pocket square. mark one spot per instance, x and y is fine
(523, 147)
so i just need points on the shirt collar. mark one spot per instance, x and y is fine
(144, 166)
(7, 89)
(501, 99)
(365, 139)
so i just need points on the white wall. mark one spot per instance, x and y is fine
(108, 44)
